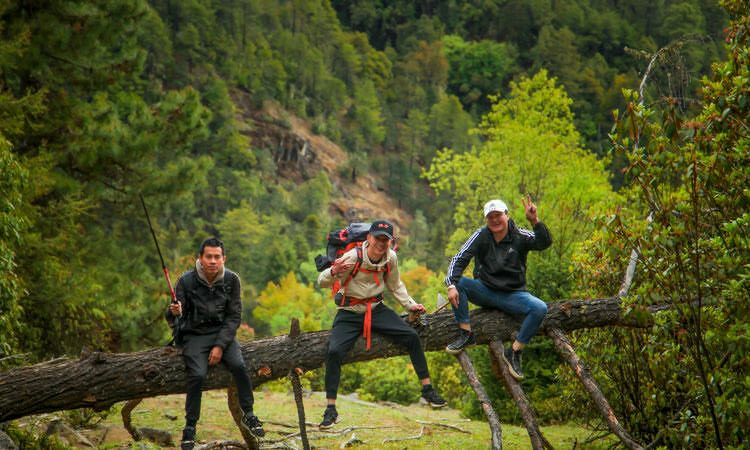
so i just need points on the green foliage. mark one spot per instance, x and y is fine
(27, 439)
(450, 125)
(100, 101)
(86, 417)
(12, 224)
(279, 303)
(689, 174)
(531, 147)
(478, 69)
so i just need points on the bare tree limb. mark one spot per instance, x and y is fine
(444, 425)
(237, 414)
(408, 438)
(565, 349)
(484, 400)
(528, 414)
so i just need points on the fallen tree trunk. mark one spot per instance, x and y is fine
(98, 380)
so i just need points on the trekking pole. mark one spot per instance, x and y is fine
(158, 250)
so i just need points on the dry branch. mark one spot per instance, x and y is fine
(234, 407)
(565, 349)
(516, 392)
(294, 374)
(444, 425)
(221, 445)
(408, 438)
(484, 400)
(127, 422)
(351, 442)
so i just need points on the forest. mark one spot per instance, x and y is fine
(268, 123)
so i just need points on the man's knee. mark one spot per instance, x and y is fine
(411, 339)
(335, 353)
(539, 309)
(196, 376)
(233, 359)
(235, 365)
(463, 284)
(194, 370)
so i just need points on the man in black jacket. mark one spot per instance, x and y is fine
(499, 251)
(209, 308)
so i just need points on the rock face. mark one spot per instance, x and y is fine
(300, 154)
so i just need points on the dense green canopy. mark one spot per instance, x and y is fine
(444, 104)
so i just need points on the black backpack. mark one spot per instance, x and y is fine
(341, 241)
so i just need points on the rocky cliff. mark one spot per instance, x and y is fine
(300, 154)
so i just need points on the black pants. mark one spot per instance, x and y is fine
(195, 354)
(347, 327)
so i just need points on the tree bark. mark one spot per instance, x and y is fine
(565, 349)
(484, 400)
(233, 402)
(294, 333)
(98, 380)
(126, 419)
(538, 442)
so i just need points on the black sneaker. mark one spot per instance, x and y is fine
(254, 426)
(513, 360)
(431, 397)
(188, 438)
(464, 339)
(330, 417)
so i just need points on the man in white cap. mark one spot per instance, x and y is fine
(499, 251)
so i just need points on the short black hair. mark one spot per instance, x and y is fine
(211, 242)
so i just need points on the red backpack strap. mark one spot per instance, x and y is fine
(352, 274)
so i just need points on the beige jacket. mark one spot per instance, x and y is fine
(363, 285)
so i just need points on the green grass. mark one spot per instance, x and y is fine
(393, 421)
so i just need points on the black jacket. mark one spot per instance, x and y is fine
(209, 309)
(499, 265)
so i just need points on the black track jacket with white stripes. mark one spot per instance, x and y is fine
(499, 265)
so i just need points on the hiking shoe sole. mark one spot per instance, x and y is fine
(335, 421)
(512, 371)
(250, 430)
(423, 401)
(454, 351)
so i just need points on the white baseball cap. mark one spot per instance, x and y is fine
(494, 205)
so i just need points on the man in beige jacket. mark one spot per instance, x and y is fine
(364, 272)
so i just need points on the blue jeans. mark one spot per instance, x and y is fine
(517, 303)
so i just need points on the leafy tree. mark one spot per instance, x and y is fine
(450, 125)
(687, 173)
(12, 225)
(367, 112)
(478, 69)
(532, 147)
(279, 303)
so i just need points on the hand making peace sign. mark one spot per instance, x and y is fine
(530, 208)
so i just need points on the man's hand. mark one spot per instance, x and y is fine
(418, 308)
(176, 309)
(215, 356)
(530, 208)
(453, 296)
(340, 266)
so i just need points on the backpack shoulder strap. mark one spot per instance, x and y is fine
(229, 277)
(355, 269)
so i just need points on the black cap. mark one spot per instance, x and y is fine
(382, 228)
